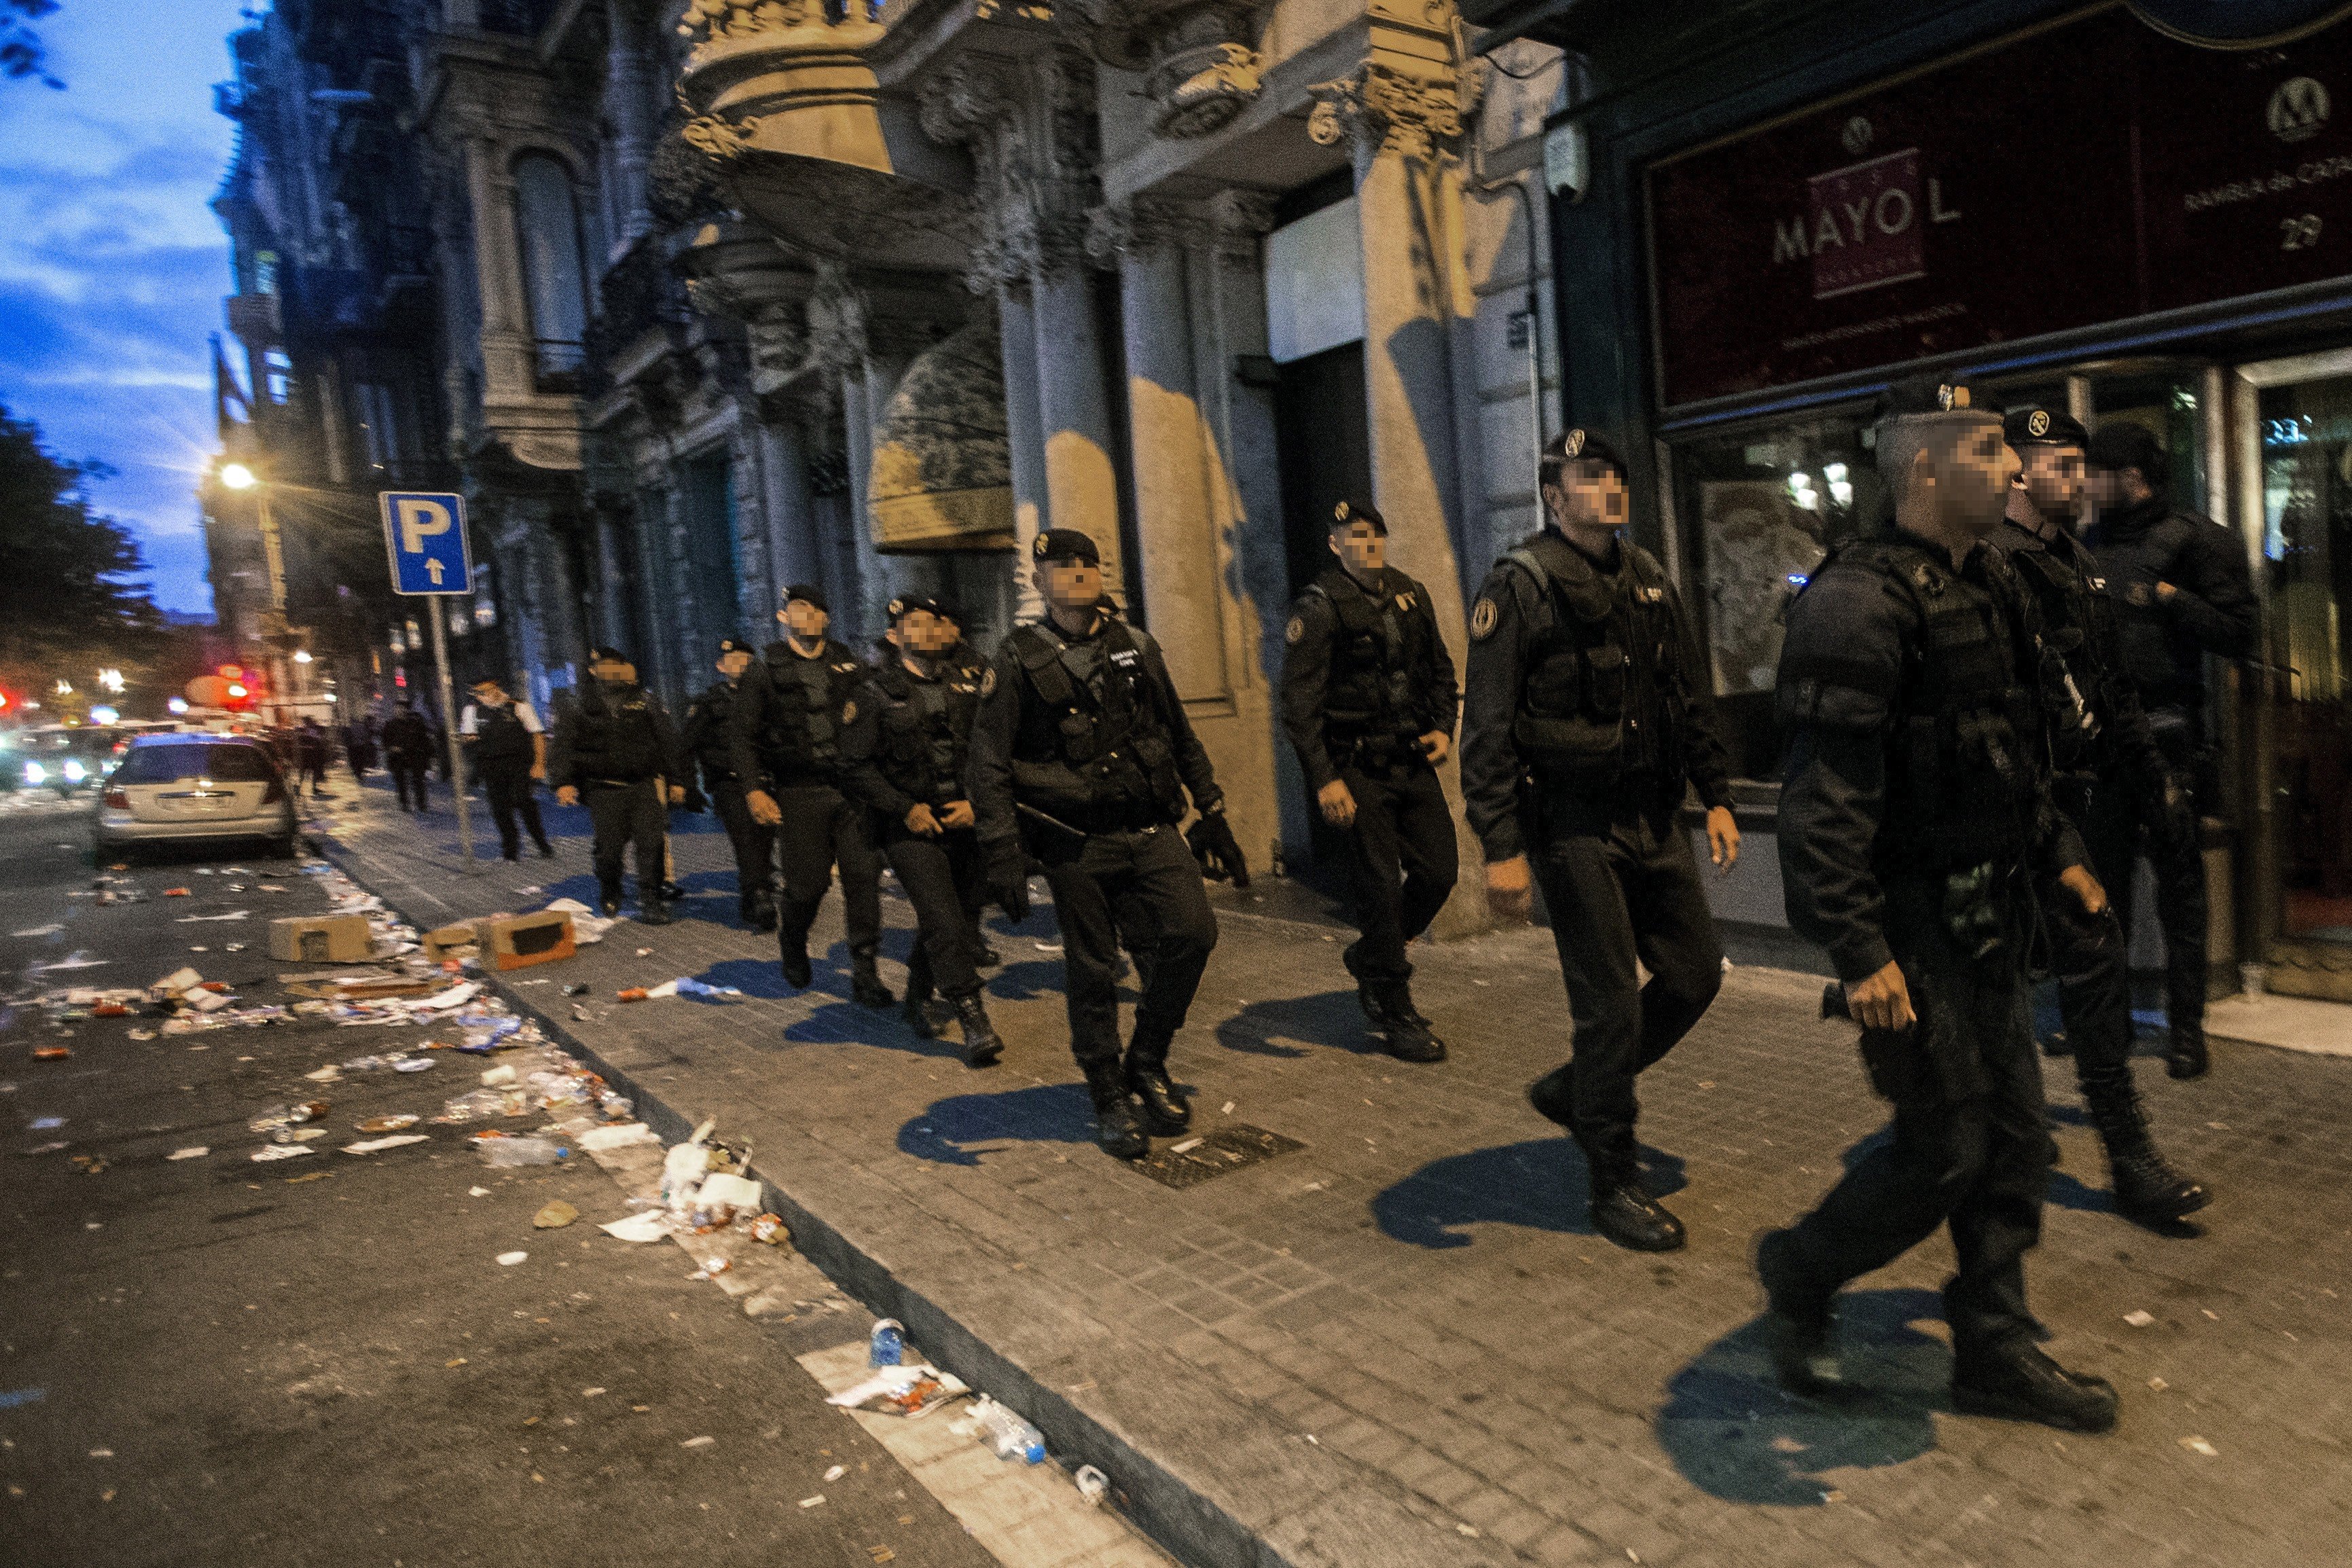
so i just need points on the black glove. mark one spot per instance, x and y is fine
(2173, 811)
(1214, 846)
(1008, 883)
(695, 801)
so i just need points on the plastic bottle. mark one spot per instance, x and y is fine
(502, 1153)
(888, 1345)
(1009, 1435)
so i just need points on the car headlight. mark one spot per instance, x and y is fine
(76, 772)
(35, 774)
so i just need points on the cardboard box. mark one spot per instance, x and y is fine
(321, 939)
(450, 942)
(519, 941)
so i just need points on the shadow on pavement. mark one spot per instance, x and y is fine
(952, 1131)
(1332, 1020)
(1735, 1434)
(1542, 1185)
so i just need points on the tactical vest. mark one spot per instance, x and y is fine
(2080, 682)
(1599, 655)
(2170, 670)
(499, 736)
(1963, 757)
(926, 725)
(801, 730)
(709, 718)
(616, 738)
(1114, 761)
(1381, 664)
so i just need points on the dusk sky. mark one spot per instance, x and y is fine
(112, 265)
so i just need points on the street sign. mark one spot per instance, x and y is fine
(425, 536)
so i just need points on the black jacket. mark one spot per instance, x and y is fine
(1363, 667)
(709, 735)
(2097, 726)
(908, 741)
(618, 733)
(786, 727)
(2213, 610)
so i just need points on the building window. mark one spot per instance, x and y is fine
(277, 377)
(555, 280)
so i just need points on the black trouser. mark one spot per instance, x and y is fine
(508, 782)
(408, 779)
(822, 830)
(1969, 1146)
(314, 772)
(945, 879)
(1622, 885)
(625, 814)
(755, 851)
(362, 758)
(1402, 861)
(2089, 953)
(2118, 827)
(1141, 889)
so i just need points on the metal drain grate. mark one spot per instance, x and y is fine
(1206, 1157)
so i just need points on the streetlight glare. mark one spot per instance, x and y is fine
(302, 655)
(237, 476)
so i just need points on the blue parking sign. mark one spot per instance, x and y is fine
(426, 535)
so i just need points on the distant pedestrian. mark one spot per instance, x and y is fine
(312, 751)
(359, 747)
(407, 750)
(509, 746)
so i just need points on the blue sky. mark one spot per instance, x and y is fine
(112, 265)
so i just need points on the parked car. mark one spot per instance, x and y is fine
(68, 758)
(170, 789)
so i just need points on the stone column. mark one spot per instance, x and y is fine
(792, 554)
(509, 353)
(749, 489)
(612, 606)
(1073, 409)
(1024, 429)
(625, 108)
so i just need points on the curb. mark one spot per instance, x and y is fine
(1181, 1521)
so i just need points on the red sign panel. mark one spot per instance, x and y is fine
(2082, 172)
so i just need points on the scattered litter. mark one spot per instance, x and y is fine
(498, 1076)
(911, 1391)
(1187, 1146)
(2199, 1446)
(2158, 1384)
(807, 1501)
(601, 1139)
(499, 1152)
(478, 1192)
(1228, 1110)
(400, 1123)
(196, 1152)
(509, 1260)
(651, 1226)
(326, 1074)
(645, 952)
(51, 1052)
(1007, 1433)
(376, 1145)
(702, 1442)
(176, 893)
(411, 1063)
(2139, 1320)
(1470, 1530)
(554, 1216)
(280, 1151)
(1093, 1485)
(50, 930)
(769, 1228)
(43, 1123)
(77, 959)
(835, 1473)
(196, 919)
(712, 1268)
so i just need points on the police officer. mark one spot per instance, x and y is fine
(509, 751)
(407, 753)
(786, 744)
(1588, 715)
(962, 654)
(1082, 756)
(2099, 740)
(709, 741)
(615, 744)
(1370, 700)
(1914, 809)
(2180, 589)
(903, 746)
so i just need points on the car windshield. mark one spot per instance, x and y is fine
(227, 762)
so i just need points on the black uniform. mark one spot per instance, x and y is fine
(1914, 813)
(1588, 712)
(906, 744)
(708, 739)
(1081, 757)
(407, 753)
(615, 744)
(2163, 644)
(1365, 674)
(502, 754)
(785, 740)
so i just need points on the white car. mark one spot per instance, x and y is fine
(172, 788)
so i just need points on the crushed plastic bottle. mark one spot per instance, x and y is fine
(887, 1344)
(500, 1154)
(1008, 1435)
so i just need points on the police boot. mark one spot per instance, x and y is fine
(608, 900)
(917, 1011)
(2017, 1383)
(1165, 1111)
(865, 987)
(1366, 997)
(1408, 1033)
(653, 911)
(2147, 1189)
(1115, 1128)
(980, 1046)
(1623, 1210)
(1797, 1319)
(2184, 1053)
(763, 913)
(1554, 1094)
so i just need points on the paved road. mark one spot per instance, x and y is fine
(319, 1360)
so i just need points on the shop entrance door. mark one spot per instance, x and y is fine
(2300, 437)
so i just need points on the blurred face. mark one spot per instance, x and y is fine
(1590, 495)
(2055, 476)
(1070, 584)
(804, 619)
(1967, 477)
(613, 670)
(490, 694)
(923, 634)
(734, 664)
(1362, 547)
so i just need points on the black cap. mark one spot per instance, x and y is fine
(1067, 544)
(487, 680)
(2120, 444)
(733, 645)
(905, 602)
(2033, 425)
(608, 656)
(1347, 513)
(808, 593)
(1933, 395)
(1581, 446)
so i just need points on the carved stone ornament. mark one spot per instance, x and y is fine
(1242, 218)
(1380, 109)
(1198, 58)
(1136, 226)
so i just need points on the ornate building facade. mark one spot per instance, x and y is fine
(730, 293)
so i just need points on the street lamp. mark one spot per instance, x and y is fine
(112, 680)
(302, 655)
(237, 476)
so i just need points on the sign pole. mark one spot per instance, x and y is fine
(439, 604)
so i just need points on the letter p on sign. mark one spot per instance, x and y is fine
(419, 519)
(425, 535)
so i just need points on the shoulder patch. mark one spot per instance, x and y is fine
(1483, 616)
(1296, 629)
(988, 682)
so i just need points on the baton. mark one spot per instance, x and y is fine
(1050, 821)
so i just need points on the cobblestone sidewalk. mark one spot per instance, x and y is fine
(1401, 1345)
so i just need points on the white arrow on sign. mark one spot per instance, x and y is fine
(433, 570)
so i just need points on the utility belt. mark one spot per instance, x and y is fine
(1984, 907)
(1374, 751)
